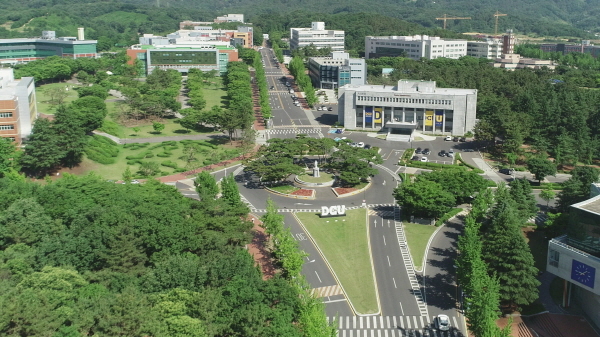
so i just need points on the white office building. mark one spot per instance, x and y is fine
(414, 47)
(490, 48)
(406, 107)
(336, 71)
(317, 36)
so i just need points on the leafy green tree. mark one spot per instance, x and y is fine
(577, 188)
(230, 192)
(206, 185)
(541, 167)
(272, 221)
(136, 129)
(424, 199)
(509, 257)
(462, 184)
(273, 164)
(70, 135)
(90, 112)
(127, 175)
(57, 95)
(7, 156)
(94, 90)
(42, 150)
(149, 169)
(524, 202)
(25, 221)
(158, 127)
(547, 194)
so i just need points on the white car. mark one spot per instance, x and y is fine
(424, 159)
(448, 138)
(319, 109)
(443, 322)
(361, 144)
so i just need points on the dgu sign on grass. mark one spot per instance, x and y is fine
(329, 211)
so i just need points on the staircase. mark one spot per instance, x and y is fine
(398, 138)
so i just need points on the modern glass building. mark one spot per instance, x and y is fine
(575, 257)
(336, 71)
(183, 59)
(13, 51)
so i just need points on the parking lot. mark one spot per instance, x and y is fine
(438, 150)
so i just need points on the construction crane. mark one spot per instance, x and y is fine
(497, 15)
(452, 18)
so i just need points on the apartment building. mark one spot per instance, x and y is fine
(491, 48)
(414, 47)
(336, 71)
(516, 61)
(408, 106)
(18, 106)
(317, 36)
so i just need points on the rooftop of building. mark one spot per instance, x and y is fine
(8, 84)
(412, 38)
(176, 47)
(40, 40)
(591, 205)
(410, 87)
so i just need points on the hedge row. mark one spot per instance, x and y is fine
(146, 154)
(447, 216)
(135, 146)
(462, 162)
(170, 164)
(434, 166)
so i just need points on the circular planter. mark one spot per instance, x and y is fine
(303, 181)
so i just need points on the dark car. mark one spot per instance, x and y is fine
(418, 150)
(507, 171)
(442, 153)
(339, 131)
(426, 152)
(468, 150)
(455, 139)
(330, 109)
(272, 88)
(367, 146)
(416, 158)
(463, 139)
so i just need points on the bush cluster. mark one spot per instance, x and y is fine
(135, 146)
(145, 154)
(447, 216)
(101, 150)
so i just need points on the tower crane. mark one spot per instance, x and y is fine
(452, 18)
(496, 16)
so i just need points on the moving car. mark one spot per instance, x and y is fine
(272, 88)
(424, 159)
(507, 171)
(443, 322)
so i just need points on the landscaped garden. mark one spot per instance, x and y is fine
(323, 177)
(110, 160)
(417, 237)
(344, 243)
(49, 96)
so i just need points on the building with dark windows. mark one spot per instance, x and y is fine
(336, 71)
(575, 257)
(14, 51)
(317, 36)
(18, 106)
(406, 107)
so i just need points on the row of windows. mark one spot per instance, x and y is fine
(7, 127)
(404, 100)
(6, 114)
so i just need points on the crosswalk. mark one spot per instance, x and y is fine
(393, 326)
(327, 291)
(383, 214)
(315, 210)
(297, 130)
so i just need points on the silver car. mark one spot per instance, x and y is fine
(443, 322)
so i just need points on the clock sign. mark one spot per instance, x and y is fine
(583, 273)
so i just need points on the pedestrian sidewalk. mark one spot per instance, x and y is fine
(159, 139)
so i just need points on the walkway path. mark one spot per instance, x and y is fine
(160, 139)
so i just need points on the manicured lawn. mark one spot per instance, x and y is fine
(323, 177)
(417, 237)
(115, 171)
(344, 242)
(215, 94)
(287, 189)
(43, 99)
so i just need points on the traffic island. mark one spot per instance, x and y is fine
(344, 243)
(308, 179)
(291, 191)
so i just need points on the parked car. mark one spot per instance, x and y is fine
(455, 139)
(330, 109)
(451, 151)
(442, 153)
(463, 139)
(424, 159)
(367, 146)
(448, 138)
(272, 88)
(415, 158)
(426, 152)
(354, 144)
(319, 109)
(361, 144)
(443, 322)
(507, 171)
(468, 150)
(418, 150)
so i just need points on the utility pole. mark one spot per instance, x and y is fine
(452, 18)
(496, 16)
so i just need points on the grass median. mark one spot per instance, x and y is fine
(417, 237)
(344, 242)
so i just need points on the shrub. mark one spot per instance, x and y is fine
(133, 162)
(111, 128)
(434, 166)
(462, 162)
(102, 150)
(170, 164)
(147, 154)
(179, 170)
(447, 216)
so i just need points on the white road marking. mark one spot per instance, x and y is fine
(385, 244)
(389, 264)
(318, 277)
(402, 309)
(393, 279)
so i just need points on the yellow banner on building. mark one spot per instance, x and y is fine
(378, 113)
(428, 117)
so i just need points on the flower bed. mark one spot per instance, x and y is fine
(303, 192)
(344, 190)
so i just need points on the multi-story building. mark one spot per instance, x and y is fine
(490, 48)
(220, 19)
(203, 36)
(414, 47)
(515, 61)
(18, 106)
(183, 59)
(230, 18)
(13, 51)
(408, 106)
(317, 36)
(575, 257)
(584, 47)
(336, 71)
